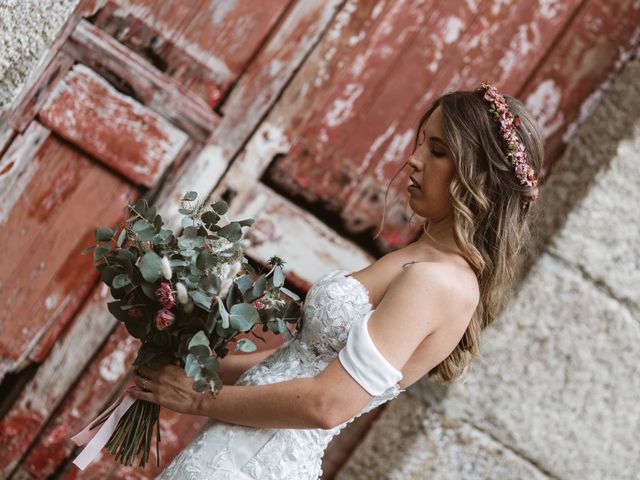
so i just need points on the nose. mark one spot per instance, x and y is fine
(412, 162)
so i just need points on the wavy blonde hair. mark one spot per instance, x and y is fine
(490, 225)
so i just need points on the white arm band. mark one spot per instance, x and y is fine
(365, 363)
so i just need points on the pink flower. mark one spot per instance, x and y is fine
(165, 295)
(164, 318)
(258, 304)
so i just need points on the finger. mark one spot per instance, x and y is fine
(148, 372)
(144, 383)
(138, 394)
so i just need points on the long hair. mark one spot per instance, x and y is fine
(490, 225)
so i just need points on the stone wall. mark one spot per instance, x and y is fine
(27, 28)
(555, 392)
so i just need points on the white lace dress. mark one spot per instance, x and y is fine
(225, 451)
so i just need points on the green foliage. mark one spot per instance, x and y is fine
(129, 259)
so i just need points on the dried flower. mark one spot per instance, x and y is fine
(163, 319)
(183, 295)
(166, 267)
(516, 152)
(165, 295)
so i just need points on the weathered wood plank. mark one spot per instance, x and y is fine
(7, 134)
(311, 248)
(252, 97)
(348, 151)
(568, 85)
(41, 396)
(99, 384)
(143, 81)
(205, 45)
(487, 49)
(55, 190)
(112, 127)
(27, 109)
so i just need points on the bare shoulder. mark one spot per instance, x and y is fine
(453, 290)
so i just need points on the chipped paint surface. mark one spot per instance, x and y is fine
(329, 99)
(85, 109)
(544, 103)
(310, 245)
(45, 286)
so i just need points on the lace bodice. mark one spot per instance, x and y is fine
(332, 305)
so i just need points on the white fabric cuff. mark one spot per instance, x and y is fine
(365, 363)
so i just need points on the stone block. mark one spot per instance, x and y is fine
(557, 380)
(410, 440)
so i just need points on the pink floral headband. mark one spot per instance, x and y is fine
(516, 152)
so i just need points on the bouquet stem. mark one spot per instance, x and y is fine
(133, 434)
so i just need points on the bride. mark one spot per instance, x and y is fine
(370, 334)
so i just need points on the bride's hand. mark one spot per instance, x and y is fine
(168, 386)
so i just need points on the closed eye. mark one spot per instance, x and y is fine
(438, 154)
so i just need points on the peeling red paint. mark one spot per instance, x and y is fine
(112, 127)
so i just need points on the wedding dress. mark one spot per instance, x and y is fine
(224, 451)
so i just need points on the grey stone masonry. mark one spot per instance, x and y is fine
(555, 391)
(27, 28)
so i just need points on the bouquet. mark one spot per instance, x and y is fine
(186, 299)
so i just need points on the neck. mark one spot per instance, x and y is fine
(440, 235)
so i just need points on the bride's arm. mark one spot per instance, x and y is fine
(396, 328)
(234, 365)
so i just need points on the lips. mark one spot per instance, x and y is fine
(414, 183)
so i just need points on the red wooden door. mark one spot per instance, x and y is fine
(297, 112)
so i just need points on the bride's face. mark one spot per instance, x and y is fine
(432, 168)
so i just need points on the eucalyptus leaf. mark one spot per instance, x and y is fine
(120, 281)
(87, 250)
(232, 232)
(104, 234)
(205, 260)
(289, 293)
(149, 290)
(291, 313)
(244, 282)
(148, 235)
(245, 345)
(209, 366)
(137, 328)
(210, 217)
(258, 286)
(151, 266)
(283, 329)
(140, 225)
(100, 252)
(121, 238)
(200, 338)
(247, 222)
(220, 207)
(190, 196)
(108, 273)
(243, 316)
(116, 311)
(201, 299)
(201, 386)
(200, 350)
(191, 365)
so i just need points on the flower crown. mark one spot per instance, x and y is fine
(516, 152)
